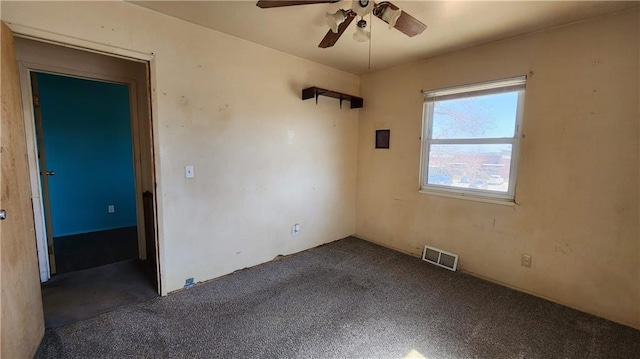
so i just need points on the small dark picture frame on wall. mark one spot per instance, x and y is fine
(382, 138)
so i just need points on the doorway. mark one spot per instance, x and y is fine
(90, 149)
(85, 150)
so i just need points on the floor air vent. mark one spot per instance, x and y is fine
(440, 258)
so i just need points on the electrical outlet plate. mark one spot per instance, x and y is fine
(525, 260)
(188, 283)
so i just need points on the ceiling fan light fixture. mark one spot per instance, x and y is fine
(361, 34)
(391, 16)
(334, 20)
(362, 7)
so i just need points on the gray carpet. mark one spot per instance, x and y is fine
(75, 296)
(347, 299)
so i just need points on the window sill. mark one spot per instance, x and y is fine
(467, 197)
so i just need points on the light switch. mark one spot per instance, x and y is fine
(111, 208)
(188, 171)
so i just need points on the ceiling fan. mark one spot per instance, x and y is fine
(341, 19)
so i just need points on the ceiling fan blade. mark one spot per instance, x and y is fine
(406, 23)
(264, 4)
(331, 37)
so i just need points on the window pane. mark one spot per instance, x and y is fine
(488, 116)
(479, 167)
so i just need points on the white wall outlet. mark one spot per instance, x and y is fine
(525, 260)
(188, 171)
(111, 208)
(295, 229)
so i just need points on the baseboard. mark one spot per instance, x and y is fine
(418, 255)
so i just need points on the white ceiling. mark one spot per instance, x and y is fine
(452, 25)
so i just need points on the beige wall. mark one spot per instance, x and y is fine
(577, 188)
(263, 158)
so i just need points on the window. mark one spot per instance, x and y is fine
(471, 139)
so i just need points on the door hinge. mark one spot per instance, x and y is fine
(36, 101)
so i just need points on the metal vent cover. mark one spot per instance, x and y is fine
(440, 258)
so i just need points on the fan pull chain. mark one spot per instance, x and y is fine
(370, 37)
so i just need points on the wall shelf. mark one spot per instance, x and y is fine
(311, 92)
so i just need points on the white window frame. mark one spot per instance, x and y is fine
(486, 88)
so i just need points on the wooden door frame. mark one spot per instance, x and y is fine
(44, 188)
(25, 70)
